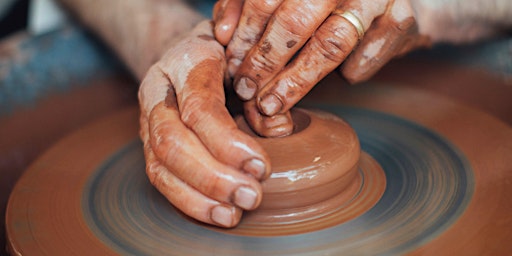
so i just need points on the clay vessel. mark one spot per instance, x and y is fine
(314, 170)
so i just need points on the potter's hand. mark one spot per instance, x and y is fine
(318, 34)
(195, 154)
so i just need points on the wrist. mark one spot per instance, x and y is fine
(138, 31)
(461, 20)
(165, 27)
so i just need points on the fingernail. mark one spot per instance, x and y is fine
(270, 104)
(246, 88)
(233, 65)
(255, 167)
(222, 215)
(245, 198)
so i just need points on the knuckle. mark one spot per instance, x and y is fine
(263, 62)
(352, 74)
(298, 85)
(192, 108)
(242, 43)
(153, 167)
(294, 24)
(197, 106)
(335, 44)
(164, 143)
(153, 173)
(405, 26)
(264, 6)
(294, 18)
(290, 88)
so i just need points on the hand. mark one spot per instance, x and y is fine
(195, 154)
(280, 49)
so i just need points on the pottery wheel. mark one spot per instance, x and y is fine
(448, 169)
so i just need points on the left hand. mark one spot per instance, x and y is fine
(195, 154)
(280, 49)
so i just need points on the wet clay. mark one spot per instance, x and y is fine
(315, 164)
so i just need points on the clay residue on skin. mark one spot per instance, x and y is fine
(249, 21)
(291, 43)
(372, 51)
(287, 88)
(206, 37)
(202, 74)
(192, 57)
(151, 91)
(262, 63)
(204, 93)
(266, 47)
(242, 42)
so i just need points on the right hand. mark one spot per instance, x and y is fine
(278, 50)
(195, 154)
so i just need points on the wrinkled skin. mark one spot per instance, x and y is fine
(278, 50)
(195, 154)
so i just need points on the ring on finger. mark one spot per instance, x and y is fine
(353, 19)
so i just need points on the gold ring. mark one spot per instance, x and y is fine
(353, 19)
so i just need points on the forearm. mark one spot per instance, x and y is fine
(139, 31)
(462, 20)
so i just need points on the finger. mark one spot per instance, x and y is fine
(178, 192)
(290, 27)
(226, 14)
(267, 126)
(254, 18)
(393, 34)
(202, 107)
(170, 137)
(186, 198)
(329, 46)
(200, 94)
(181, 152)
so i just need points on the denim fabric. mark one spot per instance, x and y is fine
(203, 6)
(51, 63)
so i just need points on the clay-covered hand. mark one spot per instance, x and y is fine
(278, 50)
(195, 154)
